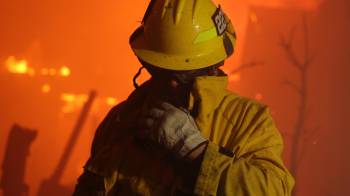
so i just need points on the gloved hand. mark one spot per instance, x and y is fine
(172, 128)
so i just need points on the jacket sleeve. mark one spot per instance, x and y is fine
(104, 130)
(250, 164)
(90, 183)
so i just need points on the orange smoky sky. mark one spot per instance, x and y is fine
(52, 53)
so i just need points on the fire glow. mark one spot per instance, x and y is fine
(74, 102)
(234, 77)
(301, 4)
(16, 66)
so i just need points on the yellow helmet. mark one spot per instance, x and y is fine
(183, 35)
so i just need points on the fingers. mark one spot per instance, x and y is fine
(149, 119)
(160, 116)
(166, 106)
(156, 113)
(147, 122)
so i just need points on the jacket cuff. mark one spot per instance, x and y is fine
(209, 175)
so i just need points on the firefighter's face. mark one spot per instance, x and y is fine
(169, 87)
(175, 86)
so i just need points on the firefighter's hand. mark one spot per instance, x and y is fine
(172, 128)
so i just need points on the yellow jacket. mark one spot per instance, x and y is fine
(243, 157)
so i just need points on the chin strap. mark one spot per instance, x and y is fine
(136, 76)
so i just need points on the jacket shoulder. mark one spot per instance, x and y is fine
(119, 113)
(243, 107)
(105, 130)
(249, 121)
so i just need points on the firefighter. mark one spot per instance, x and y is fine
(182, 132)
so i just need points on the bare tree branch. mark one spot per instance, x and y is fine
(286, 44)
(246, 66)
(309, 60)
(299, 138)
(306, 40)
(293, 86)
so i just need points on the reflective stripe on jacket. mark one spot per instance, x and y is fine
(243, 157)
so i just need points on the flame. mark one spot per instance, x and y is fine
(46, 88)
(111, 101)
(16, 66)
(73, 102)
(64, 71)
(21, 67)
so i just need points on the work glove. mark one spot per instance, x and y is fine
(171, 127)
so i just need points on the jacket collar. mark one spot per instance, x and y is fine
(206, 95)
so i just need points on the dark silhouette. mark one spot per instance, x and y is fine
(51, 186)
(16, 154)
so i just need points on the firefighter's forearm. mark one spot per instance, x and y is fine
(194, 160)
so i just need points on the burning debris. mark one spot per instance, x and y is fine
(21, 66)
(72, 102)
(16, 66)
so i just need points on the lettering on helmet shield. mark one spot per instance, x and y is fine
(219, 20)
